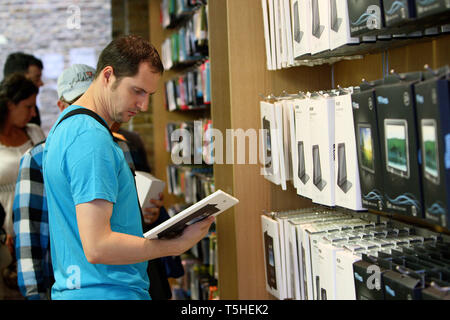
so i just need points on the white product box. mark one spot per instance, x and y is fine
(292, 142)
(339, 25)
(347, 184)
(321, 115)
(316, 235)
(311, 233)
(301, 27)
(272, 257)
(320, 30)
(271, 168)
(303, 168)
(327, 250)
(278, 108)
(345, 283)
(148, 187)
(294, 270)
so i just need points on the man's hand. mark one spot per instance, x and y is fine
(194, 233)
(152, 214)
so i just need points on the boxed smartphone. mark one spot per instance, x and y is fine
(303, 172)
(433, 120)
(320, 22)
(366, 17)
(399, 144)
(368, 147)
(340, 26)
(301, 28)
(271, 168)
(321, 115)
(272, 257)
(148, 187)
(347, 185)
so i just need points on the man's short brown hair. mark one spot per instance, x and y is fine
(125, 54)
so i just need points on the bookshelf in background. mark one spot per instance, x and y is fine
(179, 31)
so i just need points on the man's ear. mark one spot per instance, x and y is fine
(61, 105)
(108, 74)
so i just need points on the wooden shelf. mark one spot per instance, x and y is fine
(238, 77)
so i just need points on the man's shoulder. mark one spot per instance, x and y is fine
(33, 155)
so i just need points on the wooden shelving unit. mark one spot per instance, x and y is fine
(238, 77)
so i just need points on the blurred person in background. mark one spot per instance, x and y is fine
(17, 135)
(31, 67)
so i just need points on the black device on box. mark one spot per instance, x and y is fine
(366, 17)
(368, 145)
(399, 144)
(433, 120)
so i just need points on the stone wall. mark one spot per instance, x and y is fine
(58, 32)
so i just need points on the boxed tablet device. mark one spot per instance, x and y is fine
(366, 17)
(368, 147)
(399, 144)
(148, 187)
(212, 205)
(347, 185)
(433, 120)
(272, 257)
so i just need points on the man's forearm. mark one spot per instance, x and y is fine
(119, 248)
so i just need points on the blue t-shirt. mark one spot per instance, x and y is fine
(81, 162)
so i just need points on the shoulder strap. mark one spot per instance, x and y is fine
(86, 112)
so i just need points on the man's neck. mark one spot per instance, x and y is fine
(94, 101)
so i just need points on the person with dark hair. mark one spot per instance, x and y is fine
(31, 67)
(17, 107)
(97, 247)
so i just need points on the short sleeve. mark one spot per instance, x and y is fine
(91, 166)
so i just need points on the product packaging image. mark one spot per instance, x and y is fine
(366, 17)
(399, 144)
(340, 27)
(347, 185)
(303, 174)
(320, 22)
(321, 117)
(433, 120)
(368, 146)
(400, 15)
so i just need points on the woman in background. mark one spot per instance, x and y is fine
(17, 107)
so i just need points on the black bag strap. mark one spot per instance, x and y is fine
(86, 112)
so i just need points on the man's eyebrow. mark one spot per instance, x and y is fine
(139, 88)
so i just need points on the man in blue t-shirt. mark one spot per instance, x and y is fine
(97, 247)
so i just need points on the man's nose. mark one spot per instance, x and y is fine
(143, 104)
